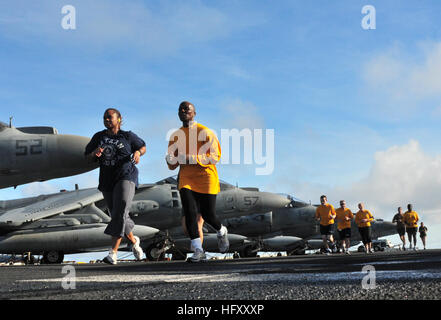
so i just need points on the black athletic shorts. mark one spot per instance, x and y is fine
(401, 231)
(366, 234)
(411, 231)
(344, 233)
(326, 230)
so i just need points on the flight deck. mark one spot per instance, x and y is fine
(394, 275)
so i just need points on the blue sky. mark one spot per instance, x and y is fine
(355, 112)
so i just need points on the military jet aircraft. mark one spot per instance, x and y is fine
(159, 206)
(73, 222)
(56, 224)
(31, 154)
(292, 229)
(231, 202)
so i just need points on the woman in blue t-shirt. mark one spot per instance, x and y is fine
(118, 152)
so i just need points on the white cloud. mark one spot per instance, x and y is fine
(401, 175)
(398, 176)
(398, 82)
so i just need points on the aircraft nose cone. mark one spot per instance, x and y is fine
(70, 151)
(236, 239)
(144, 232)
(272, 201)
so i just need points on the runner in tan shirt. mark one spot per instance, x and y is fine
(195, 149)
(325, 213)
(344, 218)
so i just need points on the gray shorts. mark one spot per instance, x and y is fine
(119, 202)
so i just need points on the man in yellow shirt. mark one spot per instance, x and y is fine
(325, 213)
(363, 220)
(411, 219)
(195, 149)
(344, 218)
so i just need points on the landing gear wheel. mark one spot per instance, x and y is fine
(53, 257)
(153, 253)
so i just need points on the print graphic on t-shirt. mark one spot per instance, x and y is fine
(110, 147)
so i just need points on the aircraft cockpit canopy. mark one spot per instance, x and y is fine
(225, 185)
(295, 202)
(171, 180)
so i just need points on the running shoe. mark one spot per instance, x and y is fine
(198, 256)
(222, 241)
(110, 258)
(136, 249)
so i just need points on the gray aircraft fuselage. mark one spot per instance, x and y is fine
(39, 153)
(297, 221)
(163, 209)
(155, 206)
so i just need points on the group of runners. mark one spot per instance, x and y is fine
(327, 216)
(193, 148)
(408, 222)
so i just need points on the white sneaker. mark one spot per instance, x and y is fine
(136, 249)
(198, 256)
(222, 241)
(110, 258)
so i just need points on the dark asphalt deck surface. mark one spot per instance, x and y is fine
(398, 275)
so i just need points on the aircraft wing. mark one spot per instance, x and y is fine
(50, 206)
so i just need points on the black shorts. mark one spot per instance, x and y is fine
(411, 231)
(366, 234)
(344, 233)
(401, 231)
(326, 230)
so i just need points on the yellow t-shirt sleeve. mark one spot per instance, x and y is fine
(210, 152)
